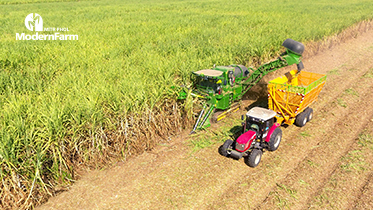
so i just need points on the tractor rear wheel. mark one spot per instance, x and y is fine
(254, 158)
(301, 119)
(225, 148)
(275, 139)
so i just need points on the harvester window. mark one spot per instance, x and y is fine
(208, 84)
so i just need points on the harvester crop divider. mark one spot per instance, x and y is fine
(205, 117)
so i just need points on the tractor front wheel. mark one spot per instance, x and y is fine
(275, 139)
(225, 149)
(254, 158)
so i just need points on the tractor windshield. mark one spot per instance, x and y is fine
(253, 124)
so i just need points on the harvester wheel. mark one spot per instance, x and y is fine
(225, 148)
(309, 114)
(216, 117)
(275, 139)
(254, 158)
(301, 119)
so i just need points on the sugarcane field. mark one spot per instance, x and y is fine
(184, 104)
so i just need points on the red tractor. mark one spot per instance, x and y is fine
(260, 132)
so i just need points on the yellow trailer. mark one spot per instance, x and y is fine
(291, 95)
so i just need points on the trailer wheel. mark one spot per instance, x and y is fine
(225, 148)
(275, 139)
(301, 119)
(309, 114)
(254, 158)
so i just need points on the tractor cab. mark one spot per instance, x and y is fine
(259, 120)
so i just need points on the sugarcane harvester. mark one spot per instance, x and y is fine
(222, 87)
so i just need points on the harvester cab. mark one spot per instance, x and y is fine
(223, 75)
(223, 82)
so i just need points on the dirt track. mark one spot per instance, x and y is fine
(326, 164)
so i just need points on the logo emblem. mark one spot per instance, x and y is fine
(34, 23)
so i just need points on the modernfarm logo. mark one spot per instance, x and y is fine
(34, 22)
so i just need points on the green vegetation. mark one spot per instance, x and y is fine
(7, 2)
(292, 193)
(351, 91)
(366, 139)
(354, 160)
(311, 163)
(369, 74)
(302, 182)
(333, 72)
(341, 102)
(228, 130)
(304, 134)
(66, 103)
(280, 195)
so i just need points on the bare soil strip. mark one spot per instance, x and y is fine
(351, 178)
(308, 159)
(365, 200)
